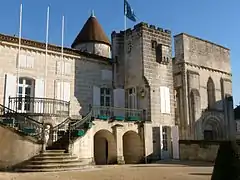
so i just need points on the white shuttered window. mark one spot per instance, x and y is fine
(64, 67)
(62, 90)
(165, 103)
(26, 61)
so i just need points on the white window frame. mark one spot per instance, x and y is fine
(105, 95)
(24, 85)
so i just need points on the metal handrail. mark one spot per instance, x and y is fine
(82, 121)
(117, 111)
(68, 120)
(38, 105)
(21, 122)
(37, 98)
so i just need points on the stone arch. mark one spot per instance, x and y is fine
(211, 93)
(195, 106)
(212, 129)
(133, 150)
(105, 148)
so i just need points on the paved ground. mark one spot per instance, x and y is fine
(163, 171)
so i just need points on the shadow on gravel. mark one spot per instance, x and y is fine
(177, 163)
(201, 174)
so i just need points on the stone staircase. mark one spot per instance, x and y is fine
(50, 161)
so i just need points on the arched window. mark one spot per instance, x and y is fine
(211, 93)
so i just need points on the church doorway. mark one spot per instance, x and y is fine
(105, 148)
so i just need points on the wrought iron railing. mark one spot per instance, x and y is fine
(79, 123)
(119, 113)
(35, 105)
(60, 129)
(20, 122)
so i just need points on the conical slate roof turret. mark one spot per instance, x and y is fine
(91, 32)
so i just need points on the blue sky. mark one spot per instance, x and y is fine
(214, 20)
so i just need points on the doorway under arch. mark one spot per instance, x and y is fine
(105, 148)
(133, 150)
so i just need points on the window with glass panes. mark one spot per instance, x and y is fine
(105, 99)
(165, 138)
(25, 91)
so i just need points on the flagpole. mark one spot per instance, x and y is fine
(125, 38)
(47, 32)
(62, 88)
(19, 46)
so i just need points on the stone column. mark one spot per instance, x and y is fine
(118, 134)
(231, 122)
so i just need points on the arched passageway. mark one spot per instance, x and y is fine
(133, 150)
(105, 148)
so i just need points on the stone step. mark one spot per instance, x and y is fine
(60, 158)
(54, 165)
(54, 154)
(54, 161)
(83, 167)
(55, 151)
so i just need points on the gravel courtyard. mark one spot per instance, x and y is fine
(158, 171)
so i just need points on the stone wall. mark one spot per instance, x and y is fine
(196, 63)
(95, 48)
(90, 73)
(91, 145)
(16, 148)
(238, 129)
(82, 71)
(143, 69)
(198, 150)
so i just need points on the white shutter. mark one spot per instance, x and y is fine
(66, 91)
(96, 96)
(67, 68)
(10, 89)
(162, 100)
(39, 88)
(60, 67)
(30, 62)
(39, 93)
(58, 90)
(22, 60)
(167, 100)
(119, 101)
(175, 142)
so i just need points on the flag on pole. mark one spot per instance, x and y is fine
(128, 11)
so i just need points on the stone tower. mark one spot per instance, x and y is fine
(145, 72)
(92, 39)
(147, 67)
(202, 76)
